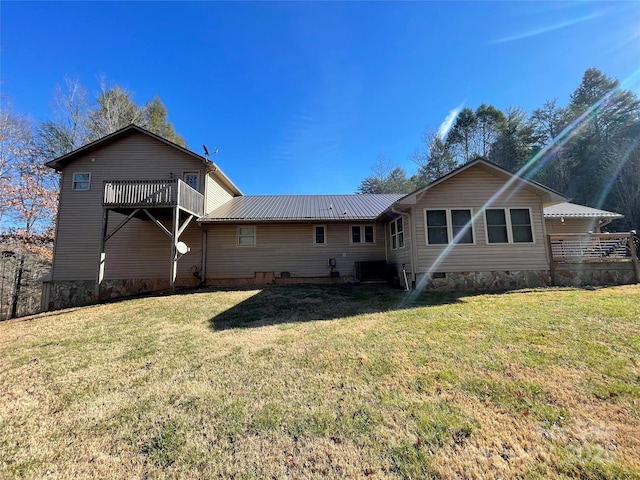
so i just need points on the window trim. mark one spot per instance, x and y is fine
(363, 237)
(324, 228)
(74, 182)
(196, 172)
(397, 233)
(255, 236)
(507, 213)
(449, 219)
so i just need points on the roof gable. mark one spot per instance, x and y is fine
(60, 162)
(548, 195)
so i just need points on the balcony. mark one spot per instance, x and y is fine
(125, 196)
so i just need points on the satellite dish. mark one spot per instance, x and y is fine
(182, 248)
(206, 152)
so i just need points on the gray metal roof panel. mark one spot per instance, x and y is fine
(302, 208)
(569, 210)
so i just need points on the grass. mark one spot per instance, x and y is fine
(326, 382)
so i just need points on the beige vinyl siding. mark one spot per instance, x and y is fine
(286, 247)
(572, 225)
(216, 194)
(471, 189)
(135, 157)
(400, 256)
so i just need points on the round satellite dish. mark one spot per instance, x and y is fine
(182, 248)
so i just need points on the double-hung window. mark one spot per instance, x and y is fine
(446, 226)
(81, 181)
(246, 236)
(319, 235)
(362, 234)
(397, 233)
(509, 225)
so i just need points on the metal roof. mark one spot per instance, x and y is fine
(569, 210)
(270, 208)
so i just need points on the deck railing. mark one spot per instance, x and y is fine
(152, 193)
(591, 247)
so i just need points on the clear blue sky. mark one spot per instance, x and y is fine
(301, 97)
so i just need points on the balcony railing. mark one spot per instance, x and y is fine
(152, 193)
(592, 247)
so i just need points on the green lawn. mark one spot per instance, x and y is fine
(326, 382)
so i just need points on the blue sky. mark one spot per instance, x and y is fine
(302, 97)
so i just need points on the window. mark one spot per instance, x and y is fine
(521, 225)
(192, 179)
(437, 227)
(246, 236)
(496, 226)
(397, 234)
(319, 235)
(362, 234)
(446, 226)
(81, 181)
(512, 228)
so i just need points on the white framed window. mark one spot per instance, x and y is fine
(448, 225)
(319, 234)
(192, 179)
(81, 181)
(521, 229)
(363, 234)
(397, 233)
(509, 225)
(246, 236)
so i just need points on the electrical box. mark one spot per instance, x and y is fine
(332, 262)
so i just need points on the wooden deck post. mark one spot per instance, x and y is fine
(103, 255)
(634, 257)
(552, 262)
(174, 251)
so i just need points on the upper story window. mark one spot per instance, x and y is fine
(246, 236)
(362, 234)
(448, 225)
(192, 179)
(81, 181)
(514, 227)
(319, 235)
(397, 233)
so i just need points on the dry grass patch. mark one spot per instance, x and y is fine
(326, 382)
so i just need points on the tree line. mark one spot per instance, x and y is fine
(588, 150)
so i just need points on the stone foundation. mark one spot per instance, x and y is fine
(76, 293)
(500, 280)
(600, 273)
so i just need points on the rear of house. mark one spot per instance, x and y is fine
(140, 214)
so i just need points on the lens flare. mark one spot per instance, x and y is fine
(529, 169)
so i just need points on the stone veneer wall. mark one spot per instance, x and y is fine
(499, 280)
(596, 273)
(75, 293)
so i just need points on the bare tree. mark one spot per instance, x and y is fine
(114, 110)
(68, 129)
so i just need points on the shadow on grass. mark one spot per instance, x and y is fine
(301, 303)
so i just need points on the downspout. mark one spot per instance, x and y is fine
(203, 267)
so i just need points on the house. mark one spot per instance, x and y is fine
(138, 214)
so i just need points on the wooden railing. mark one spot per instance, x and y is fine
(592, 247)
(152, 193)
